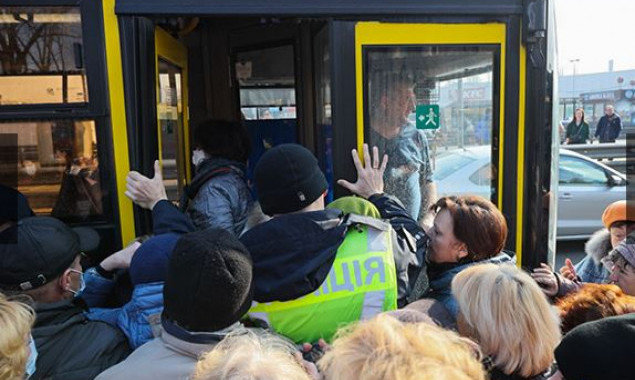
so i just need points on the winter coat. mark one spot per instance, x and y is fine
(608, 129)
(137, 318)
(441, 279)
(173, 355)
(293, 254)
(577, 134)
(591, 269)
(70, 346)
(218, 196)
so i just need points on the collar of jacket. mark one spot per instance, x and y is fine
(209, 168)
(441, 275)
(598, 245)
(190, 341)
(54, 317)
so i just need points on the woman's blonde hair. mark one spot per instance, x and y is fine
(509, 316)
(16, 320)
(384, 348)
(250, 356)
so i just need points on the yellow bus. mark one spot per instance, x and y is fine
(91, 89)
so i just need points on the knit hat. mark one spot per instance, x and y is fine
(288, 178)
(355, 205)
(601, 349)
(150, 262)
(209, 283)
(624, 251)
(617, 212)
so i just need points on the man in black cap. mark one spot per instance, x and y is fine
(207, 290)
(44, 265)
(322, 267)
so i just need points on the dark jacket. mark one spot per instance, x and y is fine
(577, 134)
(496, 374)
(218, 196)
(294, 253)
(441, 276)
(608, 129)
(72, 347)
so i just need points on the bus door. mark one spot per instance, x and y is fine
(430, 96)
(172, 112)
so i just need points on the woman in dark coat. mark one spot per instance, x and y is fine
(218, 195)
(578, 129)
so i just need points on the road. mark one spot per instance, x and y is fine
(571, 249)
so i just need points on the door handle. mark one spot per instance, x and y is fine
(566, 196)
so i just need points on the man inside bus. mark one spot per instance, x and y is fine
(45, 266)
(299, 247)
(409, 173)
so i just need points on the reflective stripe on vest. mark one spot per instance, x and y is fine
(361, 284)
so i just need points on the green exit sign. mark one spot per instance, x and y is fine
(427, 116)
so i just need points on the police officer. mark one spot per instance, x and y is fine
(316, 268)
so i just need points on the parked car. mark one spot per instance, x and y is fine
(585, 186)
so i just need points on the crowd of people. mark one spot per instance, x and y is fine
(289, 287)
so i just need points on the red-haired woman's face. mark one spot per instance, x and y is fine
(444, 246)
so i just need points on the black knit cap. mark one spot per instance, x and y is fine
(602, 349)
(288, 178)
(209, 283)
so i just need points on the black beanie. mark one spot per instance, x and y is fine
(602, 349)
(288, 178)
(209, 283)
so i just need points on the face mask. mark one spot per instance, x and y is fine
(82, 284)
(198, 155)
(30, 364)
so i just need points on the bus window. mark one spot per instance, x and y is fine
(44, 64)
(267, 83)
(58, 169)
(427, 102)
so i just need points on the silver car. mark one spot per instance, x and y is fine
(585, 187)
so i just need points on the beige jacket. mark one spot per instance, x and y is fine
(166, 357)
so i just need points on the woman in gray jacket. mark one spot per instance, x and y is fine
(218, 195)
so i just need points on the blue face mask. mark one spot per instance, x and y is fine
(82, 284)
(30, 364)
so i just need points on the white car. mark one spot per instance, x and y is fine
(585, 186)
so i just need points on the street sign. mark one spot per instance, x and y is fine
(427, 116)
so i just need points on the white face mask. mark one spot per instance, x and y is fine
(198, 155)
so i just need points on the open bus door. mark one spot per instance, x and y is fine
(172, 111)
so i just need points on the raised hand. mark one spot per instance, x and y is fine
(144, 191)
(370, 177)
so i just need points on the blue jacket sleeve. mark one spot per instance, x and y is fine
(97, 289)
(167, 218)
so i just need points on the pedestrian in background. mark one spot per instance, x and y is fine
(578, 129)
(609, 126)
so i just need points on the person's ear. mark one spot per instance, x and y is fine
(65, 282)
(461, 251)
